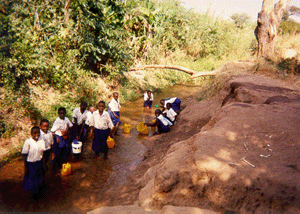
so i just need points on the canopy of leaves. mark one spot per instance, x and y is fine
(240, 20)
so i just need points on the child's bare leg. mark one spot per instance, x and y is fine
(116, 128)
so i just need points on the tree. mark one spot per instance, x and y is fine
(240, 20)
(267, 23)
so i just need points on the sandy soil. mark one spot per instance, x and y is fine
(236, 152)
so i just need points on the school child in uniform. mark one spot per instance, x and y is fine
(148, 99)
(61, 144)
(114, 111)
(101, 128)
(79, 126)
(33, 152)
(170, 114)
(47, 136)
(175, 104)
(162, 123)
(89, 115)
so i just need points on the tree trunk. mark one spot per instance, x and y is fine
(267, 23)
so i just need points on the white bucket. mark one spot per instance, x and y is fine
(76, 147)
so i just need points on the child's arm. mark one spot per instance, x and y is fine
(151, 124)
(81, 130)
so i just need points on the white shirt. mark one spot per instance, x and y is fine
(79, 116)
(169, 101)
(101, 121)
(34, 149)
(170, 114)
(146, 97)
(88, 118)
(60, 125)
(48, 138)
(114, 105)
(164, 120)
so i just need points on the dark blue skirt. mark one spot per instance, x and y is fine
(161, 127)
(34, 179)
(148, 103)
(113, 118)
(176, 104)
(61, 150)
(99, 141)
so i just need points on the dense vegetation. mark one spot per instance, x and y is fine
(57, 53)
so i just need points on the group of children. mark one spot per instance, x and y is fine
(165, 117)
(37, 149)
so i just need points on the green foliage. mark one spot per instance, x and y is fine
(240, 20)
(288, 27)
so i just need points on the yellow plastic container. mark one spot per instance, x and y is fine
(66, 169)
(110, 142)
(126, 128)
(142, 128)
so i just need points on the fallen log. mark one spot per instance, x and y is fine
(193, 73)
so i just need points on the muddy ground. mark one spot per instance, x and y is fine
(237, 152)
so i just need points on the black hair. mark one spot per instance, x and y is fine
(101, 102)
(168, 104)
(34, 128)
(148, 91)
(44, 121)
(162, 100)
(62, 109)
(83, 103)
(158, 111)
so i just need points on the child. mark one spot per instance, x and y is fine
(162, 123)
(148, 99)
(47, 136)
(114, 111)
(101, 128)
(33, 151)
(61, 140)
(79, 118)
(170, 114)
(89, 115)
(175, 104)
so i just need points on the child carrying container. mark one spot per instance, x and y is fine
(79, 126)
(34, 163)
(148, 99)
(102, 125)
(47, 136)
(114, 111)
(61, 144)
(162, 123)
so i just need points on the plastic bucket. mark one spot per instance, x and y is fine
(142, 128)
(126, 128)
(110, 142)
(76, 147)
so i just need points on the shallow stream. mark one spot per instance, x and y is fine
(93, 183)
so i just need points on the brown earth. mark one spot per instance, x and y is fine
(199, 163)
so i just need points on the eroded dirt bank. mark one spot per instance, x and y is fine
(200, 162)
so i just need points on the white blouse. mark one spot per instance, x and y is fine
(48, 138)
(60, 125)
(164, 120)
(146, 97)
(34, 149)
(101, 121)
(114, 105)
(170, 101)
(170, 114)
(88, 118)
(79, 116)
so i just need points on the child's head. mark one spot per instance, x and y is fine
(162, 101)
(115, 95)
(44, 125)
(158, 112)
(35, 133)
(101, 106)
(83, 106)
(168, 106)
(62, 112)
(149, 93)
(92, 109)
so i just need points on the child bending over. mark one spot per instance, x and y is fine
(162, 123)
(33, 152)
(102, 125)
(175, 104)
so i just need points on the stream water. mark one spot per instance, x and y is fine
(93, 183)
